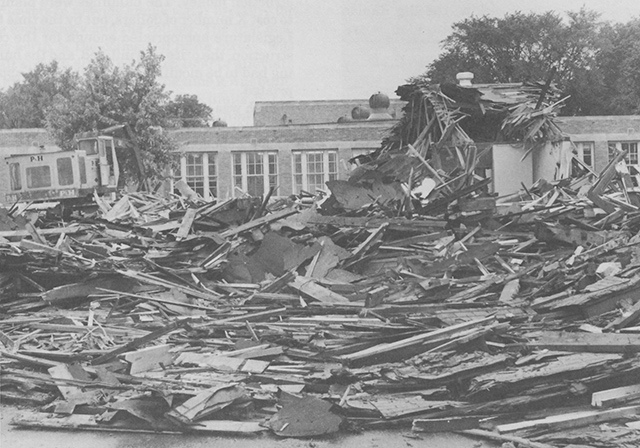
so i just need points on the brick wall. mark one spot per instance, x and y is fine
(278, 113)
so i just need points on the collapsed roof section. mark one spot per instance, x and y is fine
(447, 132)
(452, 115)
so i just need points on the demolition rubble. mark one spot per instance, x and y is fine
(408, 296)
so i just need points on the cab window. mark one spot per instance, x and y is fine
(83, 170)
(38, 177)
(65, 171)
(90, 146)
(14, 174)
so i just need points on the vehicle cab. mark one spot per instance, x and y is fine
(64, 174)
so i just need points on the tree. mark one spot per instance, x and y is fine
(186, 111)
(618, 66)
(108, 95)
(522, 47)
(25, 104)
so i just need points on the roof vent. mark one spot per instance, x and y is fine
(464, 78)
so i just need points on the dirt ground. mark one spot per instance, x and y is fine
(11, 437)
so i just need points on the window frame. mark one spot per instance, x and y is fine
(36, 179)
(268, 164)
(580, 150)
(208, 181)
(633, 156)
(304, 174)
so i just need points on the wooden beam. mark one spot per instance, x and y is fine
(522, 442)
(571, 420)
(588, 342)
(185, 224)
(609, 397)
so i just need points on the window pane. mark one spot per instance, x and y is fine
(213, 176)
(585, 152)
(14, 174)
(255, 185)
(255, 171)
(195, 172)
(237, 164)
(90, 146)
(633, 154)
(83, 170)
(38, 177)
(298, 183)
(65, 171)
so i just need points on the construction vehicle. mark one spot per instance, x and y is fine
(72, 176)
(65, 175)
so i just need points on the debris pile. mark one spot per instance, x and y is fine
(410, 296)
(514, 321)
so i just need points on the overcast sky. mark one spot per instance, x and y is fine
(232, 53)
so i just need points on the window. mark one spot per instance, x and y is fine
(198, 170)
(311, 169)
(585, 152)
(255, 172)
(83, 170)
(65, 171)
(212, 175)
(38, 177)
(632, 154)
(90, 146)
(195, 173)
(14, 174)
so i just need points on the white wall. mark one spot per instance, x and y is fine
(508, 169)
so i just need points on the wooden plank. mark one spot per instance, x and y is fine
(609, 397)
(259, 222)
(185, 224)
(310, 288)
(588, 342)
(30, 360)
(447, 424)
(403, 224)
(150, 358)
(6, 341)
(137, 343)
(88, 423)
(160, 300)
(148, 278)
(62, 371)
(420, 339)
(570, 420)
(520, 441)
(32, 245)
(627, 318)
(74, 228)
(392, 406)
(223, 363)
(371, 240)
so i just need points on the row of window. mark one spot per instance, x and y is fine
(585, 151)
(255, 172)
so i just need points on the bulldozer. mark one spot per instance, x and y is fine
(64, 175)
(72, 176)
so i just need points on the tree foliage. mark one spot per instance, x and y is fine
(104, 95)
(595, 63)
(109, 95)
(186, 111)
(26, 103)
(618, 63)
